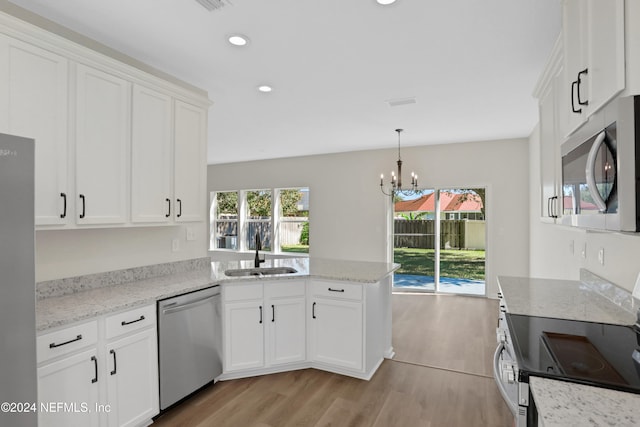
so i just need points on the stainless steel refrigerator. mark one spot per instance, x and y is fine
(18, 370)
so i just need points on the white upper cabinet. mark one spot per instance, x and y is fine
(151, 156)
(594, 56)
(34, 104)
(190, 159)
(551, 131)
(102, 147)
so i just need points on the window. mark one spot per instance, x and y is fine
(293, 220)
(258, 219)
(225, 223)
(279, 216)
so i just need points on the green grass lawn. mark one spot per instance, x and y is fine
(453, 262)
(303, 249)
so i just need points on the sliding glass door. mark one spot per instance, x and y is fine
(439, 239)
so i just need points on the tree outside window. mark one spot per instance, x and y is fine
(293, 224)
(280, 217)
(226, 220)
(258, 219)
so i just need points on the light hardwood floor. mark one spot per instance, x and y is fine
(422, 386)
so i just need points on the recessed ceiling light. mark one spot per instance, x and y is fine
(238, 40)
(265, 88)
(386, 2)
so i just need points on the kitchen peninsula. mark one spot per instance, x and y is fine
(98, 334)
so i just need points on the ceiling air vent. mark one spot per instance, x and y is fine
(212, 5)
(401, 101)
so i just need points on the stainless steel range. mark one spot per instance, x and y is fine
(595, 354)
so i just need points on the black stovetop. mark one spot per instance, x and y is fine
(585, 352)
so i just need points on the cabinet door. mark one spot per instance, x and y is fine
(132, 379)
(151, 156)
(190, 162)
(102, 147)
(336, 333)
(548, 159)
(606, 51)
(33, 94)
(73, 383)
(574, 31)
(243, 335)
(287, 333)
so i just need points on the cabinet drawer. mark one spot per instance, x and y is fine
(288, 288)
(340, 290)
(66, 340)
(129, 321)
(239, 292)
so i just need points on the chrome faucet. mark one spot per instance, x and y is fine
(257, 261)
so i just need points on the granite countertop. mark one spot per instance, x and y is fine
(564, 404)
(565, 299)
(318, 268)
(66, 301)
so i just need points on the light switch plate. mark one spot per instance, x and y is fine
(191, 234)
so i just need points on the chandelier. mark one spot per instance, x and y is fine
(396, 180)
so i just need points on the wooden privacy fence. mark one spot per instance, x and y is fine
(453, 234)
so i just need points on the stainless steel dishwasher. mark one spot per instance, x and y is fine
(189, 343)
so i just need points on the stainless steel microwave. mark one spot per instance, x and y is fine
(601, 169)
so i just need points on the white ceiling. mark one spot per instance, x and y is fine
(470, 64)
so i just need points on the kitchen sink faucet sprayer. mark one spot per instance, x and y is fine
(257, 261)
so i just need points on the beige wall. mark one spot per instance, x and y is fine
(556, 251)
(349, 214)
(68, 253)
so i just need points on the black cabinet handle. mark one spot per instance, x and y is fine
(336, 290)
(313, 310)
(573, 105)
(549, 207)
(64, 209)
(83, 205)
(54, 345)
(95, 367)
(113, 353)
(554, 207)
(168, 211)
(585, 71)
(125, 323)
(260, 314)
(179, 208)
(273, 313)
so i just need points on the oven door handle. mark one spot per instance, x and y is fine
(513, 407)
(591, 172)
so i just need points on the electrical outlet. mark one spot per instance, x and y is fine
(601, 256)
(191, 234)
(571, 247)
(175, 245)
(583, 252)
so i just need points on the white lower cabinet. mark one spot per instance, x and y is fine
(264, 325)
(244, 335)
(336, 332)
(285, 327)
(336, 324)
(68, 391)
(100, 373)
(280, 325)
(133, 377)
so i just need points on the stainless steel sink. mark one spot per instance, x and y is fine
(260, 271)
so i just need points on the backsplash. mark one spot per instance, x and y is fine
(617, 295)
(70, 285)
